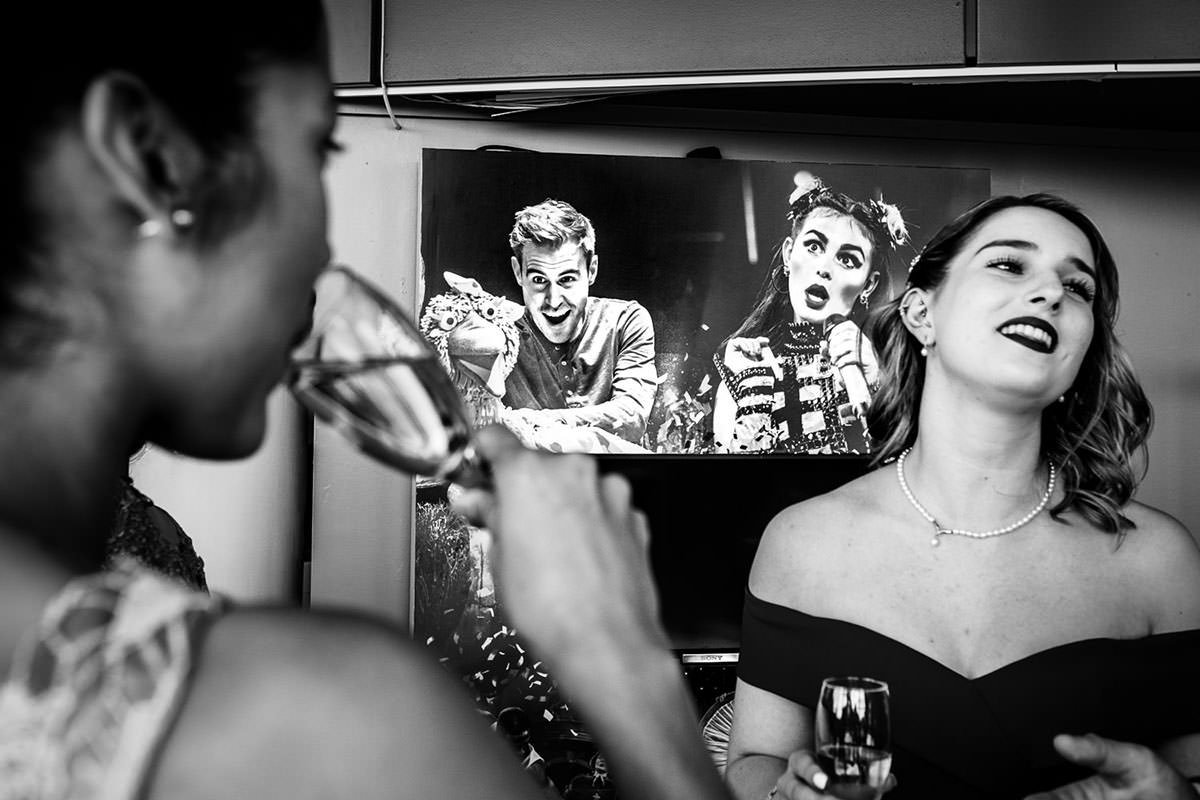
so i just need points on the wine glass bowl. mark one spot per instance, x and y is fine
(366, 370)
(853, 736)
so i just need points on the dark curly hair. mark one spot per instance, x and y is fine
(204, 70)
(1092, 437)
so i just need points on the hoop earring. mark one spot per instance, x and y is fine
(775, 281)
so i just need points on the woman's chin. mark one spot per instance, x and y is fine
(816, 316)
(247, 438)
(238, 439)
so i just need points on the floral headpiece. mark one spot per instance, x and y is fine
(884, 219)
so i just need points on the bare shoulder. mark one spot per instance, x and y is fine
(303, 704)
(807, 533)
(1166, 564)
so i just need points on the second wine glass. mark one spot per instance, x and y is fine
(854, 737)
(365, 369)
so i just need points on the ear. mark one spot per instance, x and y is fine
(148, 159)
(593, 268)
(516, 268)
(869, 288)
(915, 314)
(786, 250)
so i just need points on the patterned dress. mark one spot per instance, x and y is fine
(96, 684)
(153, 538)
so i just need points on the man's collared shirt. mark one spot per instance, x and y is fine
(604, 377)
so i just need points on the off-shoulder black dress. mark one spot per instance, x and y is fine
(990, 736)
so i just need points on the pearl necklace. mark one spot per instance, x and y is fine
(939, 531)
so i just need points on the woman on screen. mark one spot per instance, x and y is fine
(798, 374)
(995, 570)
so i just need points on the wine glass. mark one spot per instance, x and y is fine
(853, 737)
(365, 369)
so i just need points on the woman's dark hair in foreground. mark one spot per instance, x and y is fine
(1092, 436)
(200, 64)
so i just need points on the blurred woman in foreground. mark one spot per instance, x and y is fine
(165, 220)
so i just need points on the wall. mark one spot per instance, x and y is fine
(1143, 190)
(246, 518)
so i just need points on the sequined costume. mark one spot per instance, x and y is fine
(804, 410)
(148, 534)
(97, 683)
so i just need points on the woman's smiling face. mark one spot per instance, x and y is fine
(1015, 312)
(829, 260)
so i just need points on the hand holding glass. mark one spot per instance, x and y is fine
(366, 370)
(853, 737)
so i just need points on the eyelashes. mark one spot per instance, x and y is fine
(1007, 264)
(1081, 288)
(1078, 286)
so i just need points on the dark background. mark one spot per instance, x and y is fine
(671, 233)
(706, 516)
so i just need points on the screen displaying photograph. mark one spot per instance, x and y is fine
(651, 310)
(622, 304)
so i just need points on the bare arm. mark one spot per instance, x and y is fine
(771, 741)
(772, 738)
(766, 730)
(744, 395)
(571, 564)
(309, 705)
(1166, 564)
(722, 418)
(1168, 561)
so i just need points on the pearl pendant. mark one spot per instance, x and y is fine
(934, 542)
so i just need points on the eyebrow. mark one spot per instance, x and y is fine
(572, 270)
(1021, 244)
(825, 240)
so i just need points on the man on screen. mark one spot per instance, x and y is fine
(583, 361)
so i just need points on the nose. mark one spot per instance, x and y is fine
(1048, 292)
(825, 268)
(553, 296)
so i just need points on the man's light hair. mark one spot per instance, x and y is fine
(552, 223)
